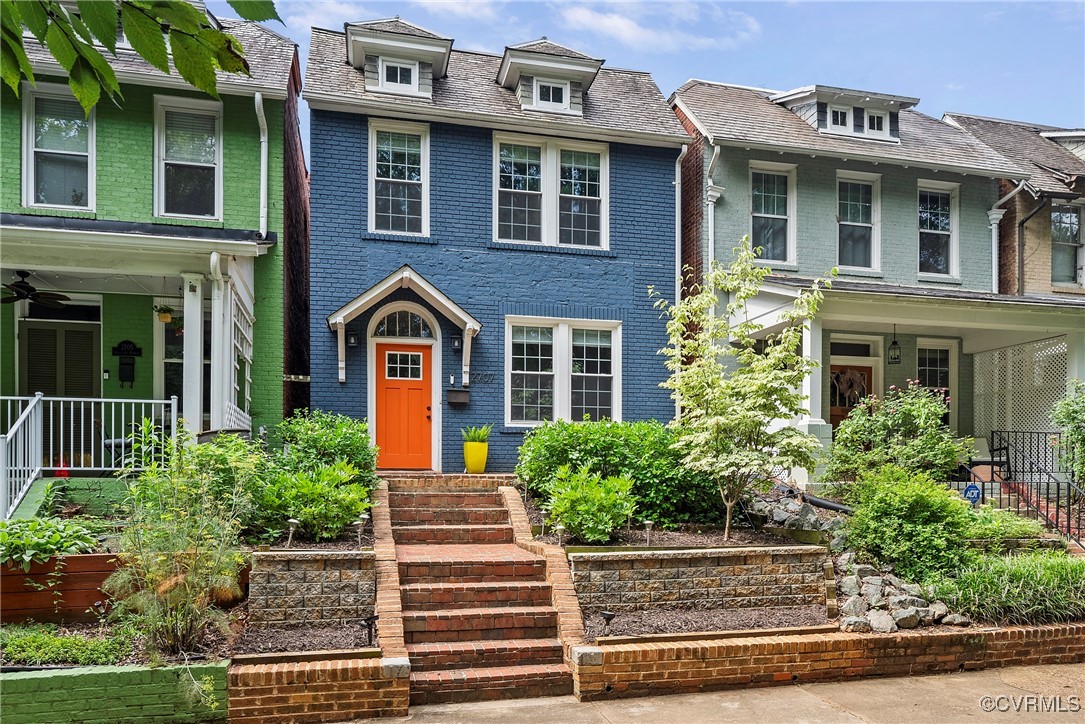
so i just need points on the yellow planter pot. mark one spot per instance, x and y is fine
(474, 456)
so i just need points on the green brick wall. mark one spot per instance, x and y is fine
(111, 695)
(127, 316)
(8, 382)
(125, 168)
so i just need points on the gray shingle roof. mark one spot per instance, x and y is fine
(395, 25)
(737, 115)
(269, 54)
(1023, 143)
(619, 102)
(548, 47)
(960, 295)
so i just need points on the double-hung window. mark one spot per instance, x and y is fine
(550, 192)
(188, 158)
(58, 159)
(772, 210)
(858, 201)
(399, 178)
(566, 369)
(1067, 245)
(938, 228)
(935, 362)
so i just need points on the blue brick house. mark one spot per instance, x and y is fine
(908, 208)
(485, 229)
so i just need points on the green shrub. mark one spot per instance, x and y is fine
(323, 500)
(232, 464)
(180, 548)
(904, 428)
(989, 523)
(1069, 414)
(41, 645)
(35, 540)
(590, 506)
(1031, 588)
(667, 493)
(919, 526)
(315, 439)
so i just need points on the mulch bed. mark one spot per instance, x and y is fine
(641, 623)
(347, 541)
(301, 638)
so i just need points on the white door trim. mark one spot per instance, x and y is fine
(435, 384)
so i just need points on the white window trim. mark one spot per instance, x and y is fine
(398, 88)
(551, 187)
(54, 90)
(875, 180)
(780, 169)
(162, 104)
(1080, 206)
(541, 105)
(847, 127)
(954, 191)
(563, 374)
(421, 129)
(884, 115)
(952, 345)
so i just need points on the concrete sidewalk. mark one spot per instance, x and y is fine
(909, 700)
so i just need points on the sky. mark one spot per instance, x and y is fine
(1014, 60)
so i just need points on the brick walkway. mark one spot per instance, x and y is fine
(477, 615)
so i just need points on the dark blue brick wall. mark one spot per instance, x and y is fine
(489, 282)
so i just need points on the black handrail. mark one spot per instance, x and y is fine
(1061, 502)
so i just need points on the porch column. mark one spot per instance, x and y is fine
(812, 422)
(221, 326)
(1075, 356)
(193, 352)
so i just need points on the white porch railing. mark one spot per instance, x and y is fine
(20, 456)
(71, 435)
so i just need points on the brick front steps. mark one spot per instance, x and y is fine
(478, 622)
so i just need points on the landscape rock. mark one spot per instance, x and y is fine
(926, 616)
(912, 589)
(838, 543)
(780, 515)
(835, 523)
(794, 523)
(939, 610)
(881, 622)
(854, 606)
(899, 602)
(855, 624)
(849, 586)
(906, 617)
(872, 580)
(845, 560)
(873, 596)
(956, 619)
(862, 570)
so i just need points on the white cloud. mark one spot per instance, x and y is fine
(662, 28)
(331, 14)
(473, 9)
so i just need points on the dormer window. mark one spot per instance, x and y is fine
(551, 95)
(877, 124)
(399, 76)
(838, 119)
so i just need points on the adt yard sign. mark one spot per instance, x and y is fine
(972, 493)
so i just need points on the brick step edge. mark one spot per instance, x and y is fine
(438, 571)
(484, 654)
(490, 684)
(443, 499)
(450, 516)
(481, 594)
(452, 534)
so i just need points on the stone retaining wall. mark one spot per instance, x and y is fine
(709, 578)
(644, 669)
(290, 588)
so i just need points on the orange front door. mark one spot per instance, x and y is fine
(404, 397)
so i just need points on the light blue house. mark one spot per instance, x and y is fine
(907, 207)
(484, 232)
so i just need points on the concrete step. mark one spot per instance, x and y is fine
(485, 654)
(449, 516)
(480, 624)
(490, 684)
(415, 534)
(434, 596)
(444, 499)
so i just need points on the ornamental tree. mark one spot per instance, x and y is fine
(734, 383)
(73, 36)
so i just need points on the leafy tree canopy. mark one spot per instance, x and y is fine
(75, 32)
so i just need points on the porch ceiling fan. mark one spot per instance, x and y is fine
(23, 289)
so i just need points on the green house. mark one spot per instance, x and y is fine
(143, 249)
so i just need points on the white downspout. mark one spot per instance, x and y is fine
(259, 100)
(678, 223)
(994, 217)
